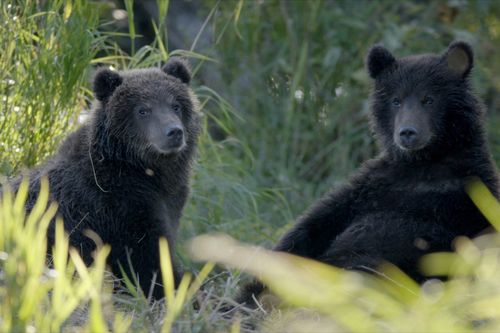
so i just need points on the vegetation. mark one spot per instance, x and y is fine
(329, 299)
(285, 118)
(42, 76)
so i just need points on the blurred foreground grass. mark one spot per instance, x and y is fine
(60, 293)
(66, 295)
(287, 120)
(34, 297)
(321, 298)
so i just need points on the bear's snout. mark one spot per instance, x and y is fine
(412, 127)
(175, 134)
(175, 138)
(408, 137)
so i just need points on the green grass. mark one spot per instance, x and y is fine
(286, 120)
(34, 296)
(319, 297)
(42, 76)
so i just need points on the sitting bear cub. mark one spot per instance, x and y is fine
(124, 174)
(409, 200)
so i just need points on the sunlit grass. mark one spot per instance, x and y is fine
(175, 300)
(386, 302)
(48, 295)
(42, 75)
(34, 296)
(287, 119)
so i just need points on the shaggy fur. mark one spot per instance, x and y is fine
(410, 199)
(111, 177)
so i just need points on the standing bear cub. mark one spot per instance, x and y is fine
(125, 173)
(410, 200)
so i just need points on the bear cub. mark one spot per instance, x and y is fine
(410, 199)
(124, 174)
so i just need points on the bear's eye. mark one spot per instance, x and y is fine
(427, 100)
(176, 107)
(396, 102)
(143, 111)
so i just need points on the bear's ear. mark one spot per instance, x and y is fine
(105, 83)
(459, 58)
(179, 68)
(378, 59)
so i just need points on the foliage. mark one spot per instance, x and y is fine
(285, 116)
(42, 75)
(34, 296)
(388, 301)
(294, 71)
(72, 289)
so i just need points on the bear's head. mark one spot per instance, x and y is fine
(422, 105)
(146, 111)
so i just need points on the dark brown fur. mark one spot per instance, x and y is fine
(113, 177)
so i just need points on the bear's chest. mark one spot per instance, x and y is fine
(413, 199)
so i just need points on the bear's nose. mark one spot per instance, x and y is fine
(408, 135)
(175, 132)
